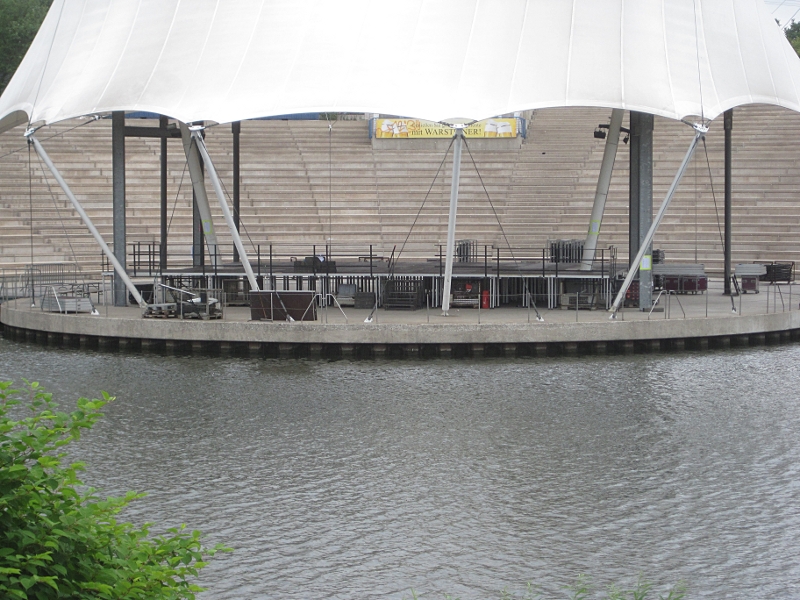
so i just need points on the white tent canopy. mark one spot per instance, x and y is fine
(223, 61)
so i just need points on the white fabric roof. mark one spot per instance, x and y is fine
(228, 60)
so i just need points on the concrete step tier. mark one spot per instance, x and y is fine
(301, 182)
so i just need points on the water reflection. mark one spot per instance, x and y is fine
(365, 479)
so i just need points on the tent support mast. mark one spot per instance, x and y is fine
(603, 183)
(226, 211)
(728, 124)
(118, 201)
(118, 268)
(162, 250)
(236, 130)
(700, 132)
(451, 221)
(201, 197)
(640, 201)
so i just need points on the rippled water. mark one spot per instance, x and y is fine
(367, 479)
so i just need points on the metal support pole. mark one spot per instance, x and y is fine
(201, 197)
(603, 183)
(226, 212)
(451, 222)
(641, 199)
(118, 201)
(162, 262)
(236, 129)
(728, 121)
(118, 268)
(700, 132)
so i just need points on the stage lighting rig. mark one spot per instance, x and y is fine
(600, 132)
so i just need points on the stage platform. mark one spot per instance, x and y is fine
(380, 266)
(709, 322)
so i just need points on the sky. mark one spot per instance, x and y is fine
(784, 10)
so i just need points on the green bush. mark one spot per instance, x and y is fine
(59, 542)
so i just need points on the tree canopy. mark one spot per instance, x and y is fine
(19, 22)
(793, 35)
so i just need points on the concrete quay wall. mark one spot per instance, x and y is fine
(249, 338)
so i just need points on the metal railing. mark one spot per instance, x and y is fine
(55, 295)
(209, 299)
(145, 258)
(490, 258)
(67, 299)
(31, 281)
(777, 294)
(323, 300)
(321, 266)
(667, 311)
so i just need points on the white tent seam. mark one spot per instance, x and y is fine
(622, 47)
(246, 51)
(516, 57)
(161, 52)
(666, 58)
(462, 71)
(47, 60)
(122, 52)
(200, 56)
(569, 53)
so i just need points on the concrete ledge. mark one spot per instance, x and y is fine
(396, 340)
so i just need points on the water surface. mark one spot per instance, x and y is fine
(366, 479)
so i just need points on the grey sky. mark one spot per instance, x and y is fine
(784, 10)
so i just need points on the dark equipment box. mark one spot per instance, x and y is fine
(275, 306)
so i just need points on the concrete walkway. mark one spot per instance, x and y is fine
(708, 322)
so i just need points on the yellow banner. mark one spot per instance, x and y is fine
(416, 129)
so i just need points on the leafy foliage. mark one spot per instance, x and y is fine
(56, 542)
(793, 35)
(19, 22)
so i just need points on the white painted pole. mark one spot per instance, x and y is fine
(200, 195)
(451, 221)
(700, 132)
(87, 221)
(603, 183)
(226, 212)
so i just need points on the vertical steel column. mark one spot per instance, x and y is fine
(728, 201)
(236, 129)
(451, 222)
(603, 183)
(118, 202)
(641, 201)
(162, 258)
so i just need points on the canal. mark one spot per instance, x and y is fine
(366, 479)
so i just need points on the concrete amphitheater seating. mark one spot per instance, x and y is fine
(303, 183)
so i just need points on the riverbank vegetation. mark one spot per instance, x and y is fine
(60, 540)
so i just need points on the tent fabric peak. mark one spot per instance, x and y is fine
(214, 61)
